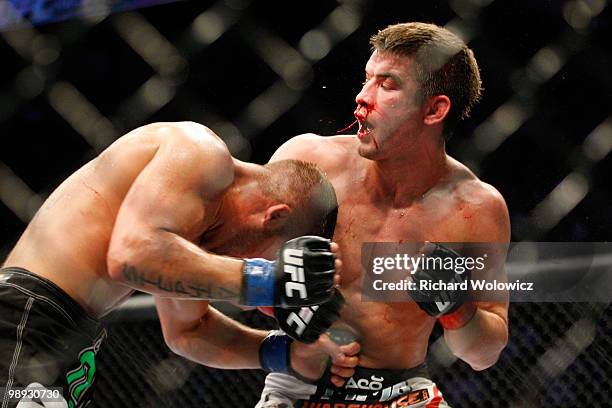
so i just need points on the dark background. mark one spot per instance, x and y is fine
(541, 135)
(216, 84)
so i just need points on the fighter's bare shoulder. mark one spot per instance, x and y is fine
(327, 151)
(192, 134)
(191, 151)
(482, 209)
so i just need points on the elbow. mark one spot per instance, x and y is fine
(487, 357)
(180, 344)
(125, 257)
(189, 346)
(481, 367)
(483, 364)
(185, 338)
(480, 363)
(119, 263)
(116, 265)
(176, 343)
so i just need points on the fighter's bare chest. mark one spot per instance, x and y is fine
(360, 222)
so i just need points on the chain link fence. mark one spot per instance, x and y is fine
(557, 356)
(259, 72)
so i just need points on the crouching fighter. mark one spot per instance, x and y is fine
(153, 212)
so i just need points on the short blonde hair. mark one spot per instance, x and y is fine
(304, 187)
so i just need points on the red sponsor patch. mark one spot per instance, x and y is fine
(406, 400)
(412, 398)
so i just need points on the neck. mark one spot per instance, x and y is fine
(256, 247)
(408, 175)
(245, 172)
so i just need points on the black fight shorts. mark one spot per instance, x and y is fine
(48, 344)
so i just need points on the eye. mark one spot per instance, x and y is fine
(387, 84)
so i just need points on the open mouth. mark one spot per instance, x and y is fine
(364, 129)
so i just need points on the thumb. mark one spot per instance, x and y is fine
(330, 347)
(350, 349)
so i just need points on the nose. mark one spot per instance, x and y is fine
(364, 101)
(364, 96)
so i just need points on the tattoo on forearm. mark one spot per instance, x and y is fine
(139, 278)
(130, 274)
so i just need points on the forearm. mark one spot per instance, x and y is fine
(217, 341)
(166, 264)
(480, 342)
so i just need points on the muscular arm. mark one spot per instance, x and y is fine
(481, 341)
(166, 210)
(196, 331)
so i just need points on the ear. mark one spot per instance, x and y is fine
(276, 216)
(437, 108)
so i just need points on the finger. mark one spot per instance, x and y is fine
(351, 349)
(338, 265)
(335, 248)
(329, 346)
(322, 280)
(345, 372)
(337, 279)
(337, 381)
(319, 258)
(346, 361)
(318, 244)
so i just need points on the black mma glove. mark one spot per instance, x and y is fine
(303, 275)
(441, 303)
(306, 324)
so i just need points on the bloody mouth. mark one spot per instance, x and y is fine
(361, 114)
(364, 130)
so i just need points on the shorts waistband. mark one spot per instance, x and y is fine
(392, 376)
(37, 285)
(369, 381)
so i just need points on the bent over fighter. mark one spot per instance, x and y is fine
(153, 212)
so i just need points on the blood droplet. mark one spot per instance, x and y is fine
(346, 128)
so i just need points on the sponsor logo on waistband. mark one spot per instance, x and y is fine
(411, 398)
(374, 384)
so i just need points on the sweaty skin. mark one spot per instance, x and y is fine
(152, 211)
(395, 183)
(159, 186)
(394, 335)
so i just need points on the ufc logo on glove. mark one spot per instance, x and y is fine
(293, 264)
(301, 319)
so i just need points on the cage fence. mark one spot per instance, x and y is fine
(259, 72)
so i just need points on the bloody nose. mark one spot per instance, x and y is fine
(361, 112)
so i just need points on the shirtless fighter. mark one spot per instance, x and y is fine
(151, 213)
(395, 183)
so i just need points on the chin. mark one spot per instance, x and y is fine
(368, 152)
